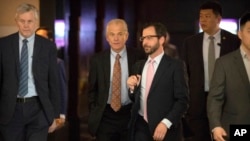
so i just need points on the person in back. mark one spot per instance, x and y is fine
(60, 122)
(199, 53)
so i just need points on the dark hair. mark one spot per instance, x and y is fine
(50, 33)
(244, 19)
(214, 5)
(160, 29)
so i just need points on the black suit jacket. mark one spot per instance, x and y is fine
(192, 54)
(44, 69)
(167, 97)
(99, 83)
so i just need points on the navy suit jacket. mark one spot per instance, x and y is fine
(167, 98)
(44, 69)
(62, 86)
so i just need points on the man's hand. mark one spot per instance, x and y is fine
(160, 132)
(133, 81)
(218, 133)
(60, 123)
(57, 124)
(52, 127)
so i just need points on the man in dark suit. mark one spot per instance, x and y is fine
(195, 53)
(105, 121)
(157, 109)
(228, 100)
(29, 98)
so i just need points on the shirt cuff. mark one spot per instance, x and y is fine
(62, 116)
(167, 122)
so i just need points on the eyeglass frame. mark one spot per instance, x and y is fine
(148, 37)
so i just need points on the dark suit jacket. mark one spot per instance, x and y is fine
(229, 97)
(99, 83)
(44, 70)
(192, 54)
(62, 86)
(167, 98)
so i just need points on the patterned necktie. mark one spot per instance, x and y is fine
(116, 85)
(149, 79)
(211, 58)
(23, 75)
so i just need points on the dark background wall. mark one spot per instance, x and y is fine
(180, 17)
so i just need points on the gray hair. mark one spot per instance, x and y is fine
(116, 22)
(25, 7)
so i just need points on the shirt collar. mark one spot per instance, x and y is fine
(122, 53)
(157, 59)
(216, 36)
(29, 39)
(243, 53)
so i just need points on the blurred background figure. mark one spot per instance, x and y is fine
(60, 122)
(170, 49)
(45, 32)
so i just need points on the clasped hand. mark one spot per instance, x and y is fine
(133, 81)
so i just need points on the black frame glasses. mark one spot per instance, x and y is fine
(148, 37)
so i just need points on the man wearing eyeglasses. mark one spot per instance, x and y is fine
(159, 91)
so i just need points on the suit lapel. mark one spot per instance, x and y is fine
(36, 50)
(242, 70)
(199, 49)
(15, 48)
(164, 63)
(130, 61)
(106, 67)
(224, 43)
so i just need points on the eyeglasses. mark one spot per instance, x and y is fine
(148, 37)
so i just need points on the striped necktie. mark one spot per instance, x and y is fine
(23, 74)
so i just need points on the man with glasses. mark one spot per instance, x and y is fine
(158, 90)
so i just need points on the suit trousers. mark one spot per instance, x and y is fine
(200, 127)
(114, 125)
(142, 132)
(27, 124)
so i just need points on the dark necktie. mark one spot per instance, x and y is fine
(23, 74)
(116, 85)
(211, 58)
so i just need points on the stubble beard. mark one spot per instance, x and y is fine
(151, 49)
